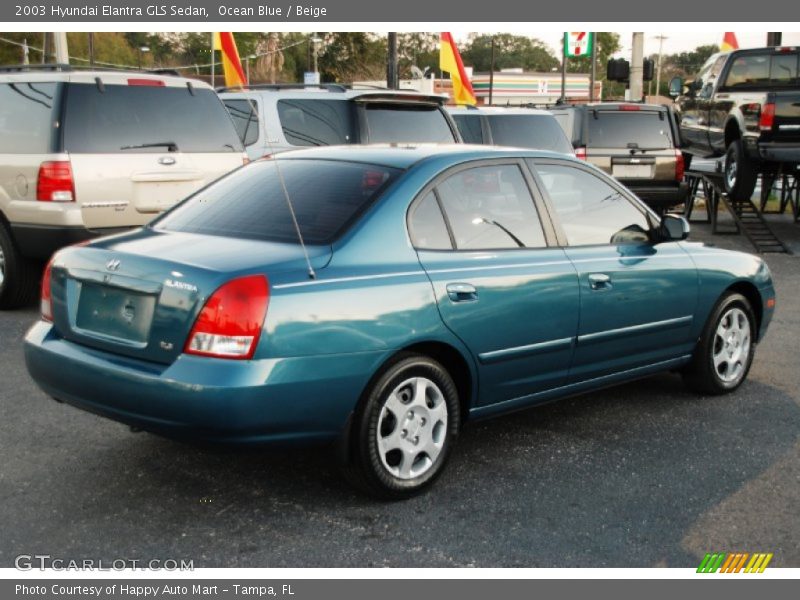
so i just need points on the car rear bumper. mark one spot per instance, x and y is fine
(785, 153)
(660, 197)
(302, 399)
(41, 241)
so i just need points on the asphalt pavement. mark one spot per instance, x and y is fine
(646, 474)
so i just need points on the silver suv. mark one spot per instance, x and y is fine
(273, 118)
(83, 153)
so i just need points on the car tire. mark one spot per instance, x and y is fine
(19, 277)
(740, 173)
(724, 353)
(403, 429)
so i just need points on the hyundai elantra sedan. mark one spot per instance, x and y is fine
(380, 297)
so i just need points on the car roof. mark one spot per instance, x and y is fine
(495, 110)
(403, 156)
(330, 92)
(630, 105)
(107, 77)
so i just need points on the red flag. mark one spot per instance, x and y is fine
(231, 65)
(729, 42)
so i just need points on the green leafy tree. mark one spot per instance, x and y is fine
(354, 56)
(511, 51)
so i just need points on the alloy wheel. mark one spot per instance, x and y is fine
(731, 348)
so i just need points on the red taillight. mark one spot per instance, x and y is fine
(580, 152)
(767, 119)
(142, 81)
(55, 182)
(46, 304)
(629, 107)
(680, 166)
(230, 322)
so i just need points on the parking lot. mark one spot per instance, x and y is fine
(642, 475)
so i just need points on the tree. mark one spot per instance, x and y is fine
(511, 51)
(348, 57)
(420, 50)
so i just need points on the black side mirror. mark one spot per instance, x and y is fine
(675, 87)
(674, 228)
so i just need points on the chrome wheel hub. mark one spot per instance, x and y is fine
(412, 428)
(732, 345)
(730, 173)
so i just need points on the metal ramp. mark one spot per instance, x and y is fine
(747, 219)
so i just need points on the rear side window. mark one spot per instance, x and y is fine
(529, 131)
(327, 196)
(428, 229)
(406, 124)
(491, 208)
(590, 210)
(629, 129)
(28, 117)
(758, 70)
(123, 118)
(317, 122)
(245, 118)
(470, 128)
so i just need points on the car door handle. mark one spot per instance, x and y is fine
(599, 281)
(462, 292)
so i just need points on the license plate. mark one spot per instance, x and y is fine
(114, 312)
(632, 171)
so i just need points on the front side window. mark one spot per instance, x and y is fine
(469, 126)
(491, 208)
(590, 210)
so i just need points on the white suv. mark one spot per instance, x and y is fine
(84, 153)
(273, 118)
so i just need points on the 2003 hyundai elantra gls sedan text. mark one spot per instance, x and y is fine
(433, 285)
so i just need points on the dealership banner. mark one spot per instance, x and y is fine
(408, 11)
(389, 589)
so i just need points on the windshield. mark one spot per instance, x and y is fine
(621, 129)
(327, 197)
(146, 118)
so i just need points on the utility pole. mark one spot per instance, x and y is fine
(774, 38)
(46, 48)
(491, 74)
(593, 70)
(563, 98)
(62, 50)
(25, 52)
(213, 58)
(392, 80)
(660, 39)
(637, 56)
(91, 49)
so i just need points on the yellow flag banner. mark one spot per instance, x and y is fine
(231, 65)
(450, 61)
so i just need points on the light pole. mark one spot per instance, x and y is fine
(660, 39)
(247, 67)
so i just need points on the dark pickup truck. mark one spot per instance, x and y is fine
(743, 105)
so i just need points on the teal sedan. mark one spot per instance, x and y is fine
(380, 297)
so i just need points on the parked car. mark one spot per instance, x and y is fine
(90, 152)
(639, 144)
(517, 127)
(272, 118)
(435, 285)
(743, 105)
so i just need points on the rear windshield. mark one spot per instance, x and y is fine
(327, 197)
(406, 124)
(622, 129)
(143, 118)
(529, 131)
(28, 117)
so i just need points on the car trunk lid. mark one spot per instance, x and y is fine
(121, 295)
